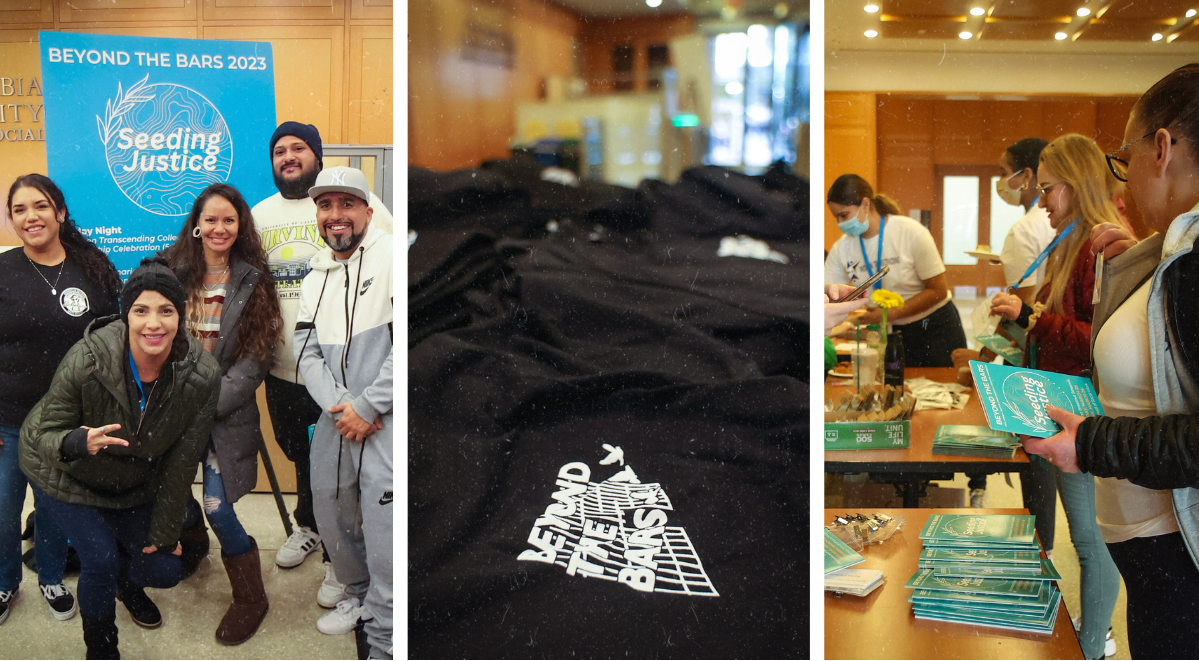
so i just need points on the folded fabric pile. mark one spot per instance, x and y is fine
(985, 570)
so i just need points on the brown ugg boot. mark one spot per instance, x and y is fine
(249, 598)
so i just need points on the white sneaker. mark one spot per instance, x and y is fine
(344, 618)
(1109, 644)
(297, 547)
(978, 498)
(331, 592)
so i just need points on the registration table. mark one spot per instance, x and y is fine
(881, 625)
(911, 468)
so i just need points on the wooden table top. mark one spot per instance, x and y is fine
(882, 626)
(919, 453)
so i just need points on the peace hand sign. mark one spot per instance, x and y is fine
(98, 438)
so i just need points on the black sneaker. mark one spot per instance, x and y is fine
(6, 599)
(141, 609)
(62, 602)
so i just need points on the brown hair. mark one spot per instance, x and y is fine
(258, 331)
(850, 190)
(1081, 165)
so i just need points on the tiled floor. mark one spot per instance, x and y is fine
(192, 610)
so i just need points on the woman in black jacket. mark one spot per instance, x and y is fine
(1145, 341)
(233, 311)
(54, 285)
(111, 449)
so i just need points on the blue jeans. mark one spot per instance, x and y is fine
(50, 545)
(110, 543)
(1099, 577)
(219, 512)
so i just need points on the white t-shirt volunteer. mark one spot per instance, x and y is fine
(1027, 238)
(290, 239)
(908, 248)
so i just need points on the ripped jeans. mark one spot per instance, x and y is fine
(228, 530)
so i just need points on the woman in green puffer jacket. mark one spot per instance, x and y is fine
(111, 450)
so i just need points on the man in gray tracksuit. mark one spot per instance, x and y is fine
(343, 344)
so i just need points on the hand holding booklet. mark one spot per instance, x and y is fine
(1014, 398)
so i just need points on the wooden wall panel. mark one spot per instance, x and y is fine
(368, 111)
(14, 12)
(145, 11)
(371, 9)
(273, 10)
(599, 36)
(462, 111)
(309, 72)
(850, 146)
(905, 155)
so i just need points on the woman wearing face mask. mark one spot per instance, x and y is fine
(1075, 187)
(111, 449)
(1146, 355)
(234, 313)
(877, 235)
(1032, 233)
(54, 285)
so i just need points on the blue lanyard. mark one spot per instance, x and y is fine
(882, 230)
(1036, 263)
(138, 380)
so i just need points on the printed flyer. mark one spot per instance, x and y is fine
(1014, 398)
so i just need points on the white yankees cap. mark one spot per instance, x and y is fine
(341, 179)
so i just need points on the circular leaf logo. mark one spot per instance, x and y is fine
(165, 143)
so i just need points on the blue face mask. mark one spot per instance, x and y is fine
(854, 227)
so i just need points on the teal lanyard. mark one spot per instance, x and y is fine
(138, 380)
(882, 230)
(1036, 263)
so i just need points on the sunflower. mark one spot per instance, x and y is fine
(886, 299)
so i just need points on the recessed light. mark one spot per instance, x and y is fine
(734, 88)
(871, 9)
(964, 35)
(1157, 36)
(1170, 39)
(871, 33)
(1061, 36)
(1083, 11)
(654, 3)
(1191, 12)
(977, 11)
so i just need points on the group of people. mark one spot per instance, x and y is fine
(1093, 300)
(112, 393)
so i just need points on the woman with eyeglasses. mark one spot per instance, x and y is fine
(876, 234)
(1146, 351)
(1075, 189)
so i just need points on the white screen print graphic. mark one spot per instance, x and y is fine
(616, 530)
(1027, 393)
(164, 143)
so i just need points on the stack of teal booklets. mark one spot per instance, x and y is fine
(985, 570)
(975, 441)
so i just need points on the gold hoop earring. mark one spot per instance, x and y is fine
(196, 231)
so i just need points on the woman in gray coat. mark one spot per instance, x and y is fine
(233, 311)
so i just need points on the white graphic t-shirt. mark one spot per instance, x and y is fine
(290, 239)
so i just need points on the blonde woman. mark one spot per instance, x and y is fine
(1076, 189)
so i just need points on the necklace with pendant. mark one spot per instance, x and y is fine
(53, 287)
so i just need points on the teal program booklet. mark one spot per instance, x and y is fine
(1002, 346)
(838, 554)
(1014, 398)
(989, 528)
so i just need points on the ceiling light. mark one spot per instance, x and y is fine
(1170, 39)
(871, 33)
(734, 88)
(1157, 36)
(964, 35)
(1083, 11)
(1191, 12)
(654, 3)
(871, 9)
(1061, 36)
(977, 11)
